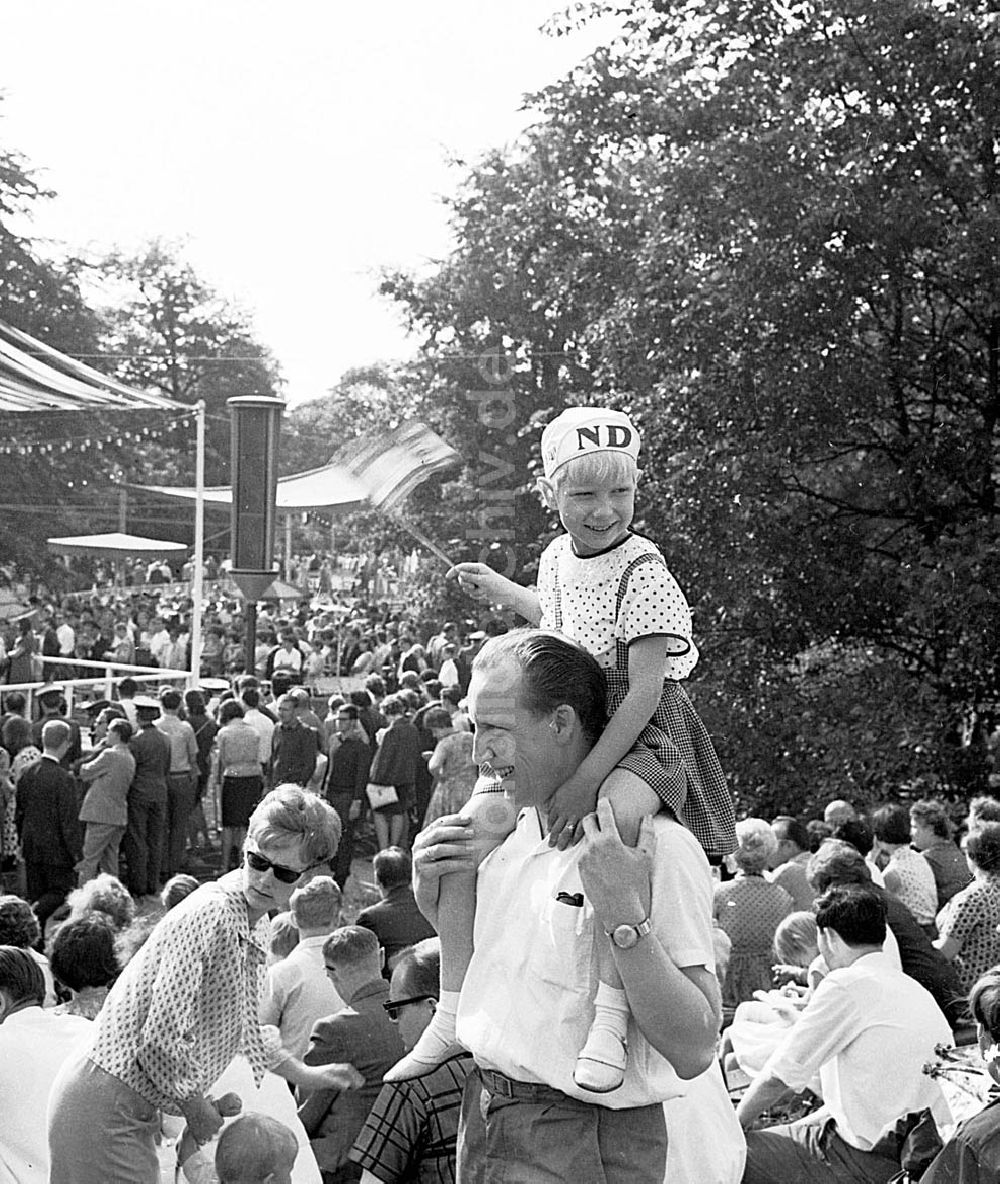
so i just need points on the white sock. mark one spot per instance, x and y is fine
(447, 1003)
(439, 1034)
(611, 1011)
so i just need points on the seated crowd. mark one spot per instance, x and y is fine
(237, 1025)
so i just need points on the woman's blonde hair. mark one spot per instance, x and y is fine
(103, 894)
(757, 845)
(290, 813)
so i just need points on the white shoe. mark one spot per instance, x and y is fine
(600, 1067)
(416, 1065)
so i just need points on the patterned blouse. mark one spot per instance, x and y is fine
(188, 1001)
(918, 888)
(749, 909)
(971, 918)
(654, 604)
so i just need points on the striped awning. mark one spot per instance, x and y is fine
(34, 377)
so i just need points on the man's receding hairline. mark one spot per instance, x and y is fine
(516, 699)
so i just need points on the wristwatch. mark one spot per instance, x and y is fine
(627, 936)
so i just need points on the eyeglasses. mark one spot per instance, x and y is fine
(393, 1007)
(287, 875)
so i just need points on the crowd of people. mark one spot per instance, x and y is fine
(136, 799)
(940, 882)
(321, 636)
(151, 1014)
(569, 913)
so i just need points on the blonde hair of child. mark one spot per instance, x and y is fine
(596, 467)
(795, 940)
(253, 1149)
(284, 936)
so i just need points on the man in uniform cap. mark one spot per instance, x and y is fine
(147, 801)
(52, 705)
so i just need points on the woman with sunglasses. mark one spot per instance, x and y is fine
(412, 1129)
(187, 1004)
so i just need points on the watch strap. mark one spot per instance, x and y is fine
(641, 930)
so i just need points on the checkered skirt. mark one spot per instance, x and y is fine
(674, 753)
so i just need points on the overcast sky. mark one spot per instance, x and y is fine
(295, 146)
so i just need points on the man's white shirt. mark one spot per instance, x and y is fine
(264, 727)
(528, 997)
(868, 1030)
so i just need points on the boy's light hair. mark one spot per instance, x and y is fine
(795, 940)
(596, 467)
(284, 936)
(316, 905)
(350, 946)
(254, 1149)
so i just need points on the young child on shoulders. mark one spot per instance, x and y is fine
(610, 590)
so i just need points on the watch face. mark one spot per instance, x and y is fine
(625, 936)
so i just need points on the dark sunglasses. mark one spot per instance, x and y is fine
(392, 1008)
(287, 875)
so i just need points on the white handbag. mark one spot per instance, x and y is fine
(381, 795)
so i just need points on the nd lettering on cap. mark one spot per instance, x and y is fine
(581, 430)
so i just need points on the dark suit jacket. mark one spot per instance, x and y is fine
(46, 815)
(396, 922)
(75, 750)
(151, 750)
(294, 749)
(361, 1035)
(923, 961)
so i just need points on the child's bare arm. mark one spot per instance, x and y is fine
(483, 583)
(631, 800)
(647, 659)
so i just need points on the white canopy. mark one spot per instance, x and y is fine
(330, 487)
(115, 546)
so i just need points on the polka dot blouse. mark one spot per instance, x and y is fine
(188, 1001)
(653, 606)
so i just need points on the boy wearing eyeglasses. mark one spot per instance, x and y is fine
(412, 1130)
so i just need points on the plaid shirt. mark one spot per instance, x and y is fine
(411, 1131)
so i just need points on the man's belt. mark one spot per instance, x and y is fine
(525, 1091)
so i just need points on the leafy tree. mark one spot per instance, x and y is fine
(770, 231)
(167, 330)
(40, 296)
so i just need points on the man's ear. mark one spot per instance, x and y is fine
(381, 957)
(565, 723)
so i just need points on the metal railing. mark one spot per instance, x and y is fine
(69, 685)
